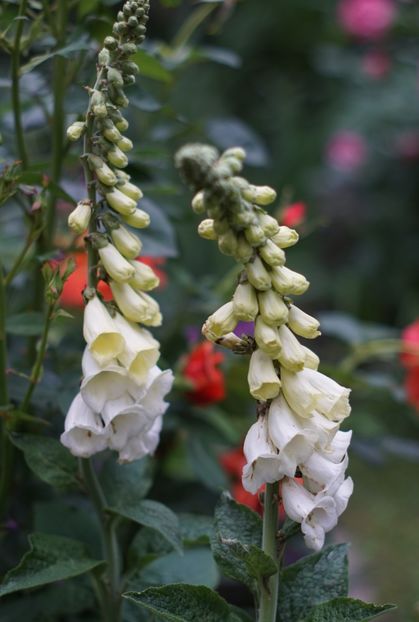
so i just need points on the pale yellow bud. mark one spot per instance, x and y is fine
(311, 361)
(155, 317)
(245, 302)
(272, 254)
(117, 157)
(227, 242)
(285, 237)
(255, 235)
(115, 264)
(144, 277)
(126, 242)
(133, 305)
(125, 144)
(267, 337)
(138, 219)
(272, 307)
(220, 323)
(120, 202)
(122, 125)
(286, 281)
(112, 134)
(292, 355)
(206, 229)
(102, 170)
(263, 380)
(79, 218)
(76, 130)
(302, 323)
(244, 251)
(269, 225)
(131, 190)
(261, 195)
(198, 203)
(258, 275)
(235, 152)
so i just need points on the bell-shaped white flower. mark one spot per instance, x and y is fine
(292, 355)
(124, 419)
(151, 394)
(221, 322)
(245, 302)
(336, 449)
(323, 475)
(142, 444)
(100, 333)
(343, 494)
(316, 513)
(84, 433)
(263, 460)
(288, 282)
(303, 324)
(267, 337)
(309, 390)
(323, 428)
(101, 384)
(272, 307)
(288, 433)
(141, 351)
(115, 264)
(264, 383)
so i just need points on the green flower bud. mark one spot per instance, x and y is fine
(261, 195)
(303, 324)
(126, 242)
(130, 67)
(235, 152)
(120, 202)
(129, 80)
(245, 302)
(120, 16)
(258, 275)
(221, 226)
(79, 218)
(122, 125)
(227, 242)
(111, 133)
(110, 43)
(132, 22)
(76, 130)
(272, 307)
(144, 278)
(117, 157)
(130, 190)
(138, 219)
(117, 96)
(234, 164)
(206, 229)
(198, 204)
(244, 251)
(267, 337)
(102, 170)
(115, 77)
(98, 104)
(255, 235)
(269, 225)
(288, 282)
(128, 49)
(272, 254)
(104, 57)
(125, 144)
(285, 237)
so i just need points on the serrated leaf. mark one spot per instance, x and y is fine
(29, 324)
(126, 484)
(312, 580)
(155, 515)
(50, 559)
(48, 459)
(345, 610)
(183, 603)
(237, 541)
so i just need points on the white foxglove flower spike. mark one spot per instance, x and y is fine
(263, 460)
(84, 434)
(141, 351)
(264, 383)
(100, 333)
(101, 384)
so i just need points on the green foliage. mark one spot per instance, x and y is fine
(50, 559)
(125, 485)
(28, 324)
(345, 610)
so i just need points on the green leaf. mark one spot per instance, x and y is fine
(126, 484)
(48, 459)
(205, 464)
(29, 324)
(195, 528)
(183, 603)
(68, 50)
(237, 541)
(345, 610)
(151, 67)
(312, 580)
(50, 559)
(155, 515)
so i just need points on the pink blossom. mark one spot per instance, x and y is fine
(366, 19)
(346, 151)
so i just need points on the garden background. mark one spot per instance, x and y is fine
(326, 104)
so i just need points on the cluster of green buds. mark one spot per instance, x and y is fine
(299, 409)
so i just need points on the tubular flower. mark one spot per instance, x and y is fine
(299, 409)
(121, 400)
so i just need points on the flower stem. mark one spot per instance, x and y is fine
(16, 103)
(112, 595)
(269, 590)
(191, 24)
(31, 237)
(6, 446)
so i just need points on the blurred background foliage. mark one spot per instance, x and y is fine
(328, 118)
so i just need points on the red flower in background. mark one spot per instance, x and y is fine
(75, 284)
(293, 215)
(201, 368)
(410, 359)
(233, 462)
(346, 151)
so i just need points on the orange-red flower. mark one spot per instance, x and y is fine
(294, 214)
(201, 368)
(233, 462)
(410, 338)
(411, 386)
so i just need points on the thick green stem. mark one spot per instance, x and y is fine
(269, 590)
(16, 103)
(112, 607)
(6, 446)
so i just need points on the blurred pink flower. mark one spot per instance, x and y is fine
(366, 19)
(346, 151)
(407, 145)
(376, 64)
